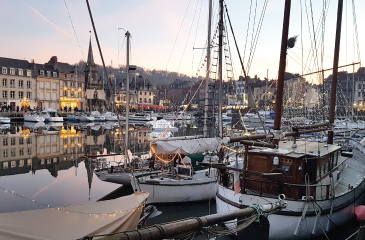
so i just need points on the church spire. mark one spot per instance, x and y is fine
(90, 64)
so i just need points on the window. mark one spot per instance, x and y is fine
(140, 93)
(150, 93)
(65, 84)
(29, 95)
(5, 82)
(21, 151)
(29, 151)
(12, 141)
(145, 93)
(48, 85)
(28, 73)
(12, 94)
(12, 83)
(41, 72)
(5, 94)
(21, 95)
(21, 83)
(79, 85)
(12, 71)
(48, 96)
(4, 70)
(5, 142)
(72, 84)
(145, 100)
(54, 85)
(358, 94)
(54, 74)
(41, 84)
(65, 93)
(359, 87)
(20, 72)
(29, 140)
(140, 100)
(12, 152)
(28, 84)
(21, 141)
(5, 153)
(48, 73)
(79, 94)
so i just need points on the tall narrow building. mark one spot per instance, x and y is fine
(95, 94)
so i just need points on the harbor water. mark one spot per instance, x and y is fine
(45, 166)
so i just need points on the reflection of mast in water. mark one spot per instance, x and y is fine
(90, 172)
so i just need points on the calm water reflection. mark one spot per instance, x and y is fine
(46, 162)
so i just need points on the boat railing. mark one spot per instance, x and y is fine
(274, 185)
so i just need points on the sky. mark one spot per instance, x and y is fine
(171, 34)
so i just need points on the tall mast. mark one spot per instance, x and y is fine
(207, 77)
(280, 84)
(220, 84)
(127, 34)
(335, 71)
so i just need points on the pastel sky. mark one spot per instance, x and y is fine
(164, 32)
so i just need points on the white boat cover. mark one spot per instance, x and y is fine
(76, 221)
(188, 146)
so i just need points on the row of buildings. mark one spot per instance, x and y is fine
(62, 86)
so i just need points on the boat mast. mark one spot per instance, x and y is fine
(220, 84)
(207, 77)
(335, 71)
(281, 74)
(127, 34)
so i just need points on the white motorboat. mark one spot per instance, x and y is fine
(163, 125)
(110, 116)
(4, 120)
(80, 118)
(50, 115)
(33, 117)
(97, 116)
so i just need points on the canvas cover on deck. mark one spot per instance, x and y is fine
(74, 222)
(189, 146)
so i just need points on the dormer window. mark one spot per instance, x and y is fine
(41, 72)
(48, 73)
(12, 71)
(28, 73)
(4, 70)
(20, 72)
(54, 74)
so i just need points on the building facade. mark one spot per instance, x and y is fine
(18, 84)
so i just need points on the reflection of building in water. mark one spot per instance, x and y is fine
(94, 141)
(24, 150)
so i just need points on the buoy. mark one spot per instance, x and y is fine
(360, 212)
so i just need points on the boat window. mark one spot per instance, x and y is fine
(285, 168)
(183, 171)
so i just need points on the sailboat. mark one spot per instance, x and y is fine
(180, 183)
(321, 183)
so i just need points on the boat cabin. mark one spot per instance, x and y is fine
(296, 172)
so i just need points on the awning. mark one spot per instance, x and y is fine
(76, 221)
(151, 106)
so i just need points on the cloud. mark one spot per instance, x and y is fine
(63, 31)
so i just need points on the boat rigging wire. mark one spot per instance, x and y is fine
(178, 33)
(187, 39)
(356, 32)
(77, 39)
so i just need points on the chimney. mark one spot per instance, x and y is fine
(53, 62)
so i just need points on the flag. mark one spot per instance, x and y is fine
(236, 179)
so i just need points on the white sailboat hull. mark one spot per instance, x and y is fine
(171, 190)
